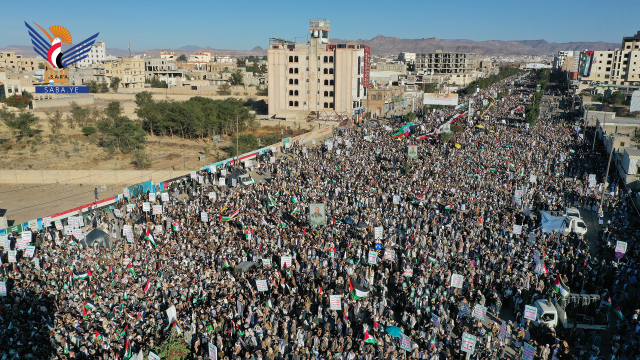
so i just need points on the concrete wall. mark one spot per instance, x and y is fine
(92, 177)
(63, 101)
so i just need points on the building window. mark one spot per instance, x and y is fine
(326, 71)
(622, 144)
(295, 81)
(330, 59)
(359, 60)
(331, 93)
(331, 82)
(290, 103)
(295, 71)
(326, 93)
(326, 59)
(295, 104)
(290, 70)
(290, 92)
(290, 81)
(330, 71)
(295, 92)
(326, 82)
(326, 105)
(295, 58)
(331, 105)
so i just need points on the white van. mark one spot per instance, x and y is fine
(576, 225)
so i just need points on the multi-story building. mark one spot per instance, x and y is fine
(168, 55)
(203, 57)
(319, 76)
(380, 101)
(16, 63)
(445, 62)
(407, 57)
(617, 68)
(97, 55)
(130, 71)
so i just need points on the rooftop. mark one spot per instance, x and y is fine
(635, 152)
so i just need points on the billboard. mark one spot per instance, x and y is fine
(440, 99)
(367, 66)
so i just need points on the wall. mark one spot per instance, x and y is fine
(93, 177)
(63, 101)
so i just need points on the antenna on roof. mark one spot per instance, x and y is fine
(129, 46)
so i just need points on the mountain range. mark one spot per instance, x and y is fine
(385, 45)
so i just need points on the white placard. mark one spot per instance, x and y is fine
(146, 206)
(223, 172)
(68, 230)
(129, 238)
(204, 216)
(336, 302)
(221, 181)
(530, 312)
(126, 229)
(46, 221)
(193, 174)
(12, 255)
(117, 212)
(3, 288)
(77, 233)
(408, 271)
(262, 285)
(533, 178)
(157, 209)
(457, 280)
(285, 261)
(213, 196)
(621, 247)
(152, 197)
(130, 207)
(528, 352)
(153, 356)
(59, 225)
(26, 236)
(272, 159)
(200, 179)
(378, 232)
(396, 199)
(164, 196)
(517, 229)
(390, 255)
(266, 262)
(3, 241)
(468, 343)
(213, 351)
(373, 257)
(30, 251)
(480, 312)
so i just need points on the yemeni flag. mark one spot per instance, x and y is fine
(127, 350)
(618, 312)
(130, 268)
(147, 287)
(82, 276)
(357, 292)
(269, 303)
(229, 217)
(149, 237)
(368, 338)
(561, 288)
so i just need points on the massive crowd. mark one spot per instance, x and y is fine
(449, 212)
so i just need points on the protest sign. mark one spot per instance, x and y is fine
(117, 212)
(621, 247)
(390, 255)
(193, 174)
(146, 206)
(213, 196)
(528, 352)
(12, 255)
(405, 342)
(262, 285)
(408, 271)
(517, 229)
(213, 351)
(468, 343)
(285, 261)
(126, 229)
(436, 321)
(464, 308)
(336, 302)
(3, 288)
(457, 280)
(152, 197)
(158, 229)
(46, 221)
(58, 225)
(266, 262)
(26, 236)
(479, 312)
(221, 181)
(378, 232)
(204, 216)
(532, 237)
(130, 207)
(129, 238)
(396, 199)
(372, 257)
(157, 209)
(533, 178)
(3, 240)
(21, 244)
(164, 196)
(153, 356)
(503, 330)
(30, 251)
(68, 230)
(530, 312)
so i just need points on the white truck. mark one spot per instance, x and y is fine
(563, 224)
(550, 314)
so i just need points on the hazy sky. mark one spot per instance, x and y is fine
(242, 25)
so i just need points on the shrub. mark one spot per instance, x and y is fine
(18, 101)
(89, 130)
(141, 160)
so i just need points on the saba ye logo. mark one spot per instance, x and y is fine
(56, 69)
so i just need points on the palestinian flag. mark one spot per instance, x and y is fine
(110, 271)
(357, 291)
(127, 350)
(295, 211)
(492, 169)
(618, 312)
(588, 58)
(572, 151)
(89, 305)
(71, 241)
(84, 312)
(609, 303)
(66, 348)
(510, 164)
(368, 338)
(269, 303)
(283, 224)
(176, 327)
(114, 280)
(149, 237)
(432, 260)
(82, 276)
(147, 287)
(175, 225)
(272, 201)
(225, 263)
(98, 336)
(560, 288)
(448, 207)
(376, 325)
(294, 199)
(130, 268)
(229, 217)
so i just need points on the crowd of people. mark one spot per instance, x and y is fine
(242, 269)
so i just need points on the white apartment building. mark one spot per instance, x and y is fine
(97, 55)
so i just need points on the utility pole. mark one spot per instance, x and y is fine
(237, 135)
(606, 177)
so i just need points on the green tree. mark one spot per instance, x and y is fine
(93, 87)
(22, 124)
(246, 143)
(617, 97)
(6, 115)
(55, 121)
(79, 116)
(156, 83)
(237, 77)
(114, 109)
(18, 101)
(174, 348)
(41, 66)
(144, 98)
(115, 83)
(27, 94)
(241, 62)
(263, 69)
(121, 133)
(103, 87)
(89, 130)
(224, 89)
(141, 160)
(262, 91)
(182, 58)
(430, 87)
(410, 116)
(444, 137)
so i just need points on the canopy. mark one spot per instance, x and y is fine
(550, 223)
(348, 221)
(480, 126)
(458, 146)
(245, 265)
(96, 236)
(394, 331)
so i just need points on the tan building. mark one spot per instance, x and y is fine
(617, 68)
(130, 71)
(445, 62)
(168, 55)
(317, 76)
(203, 57)
(380, 101)
(10, 61)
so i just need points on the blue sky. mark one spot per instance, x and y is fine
(242, 25)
